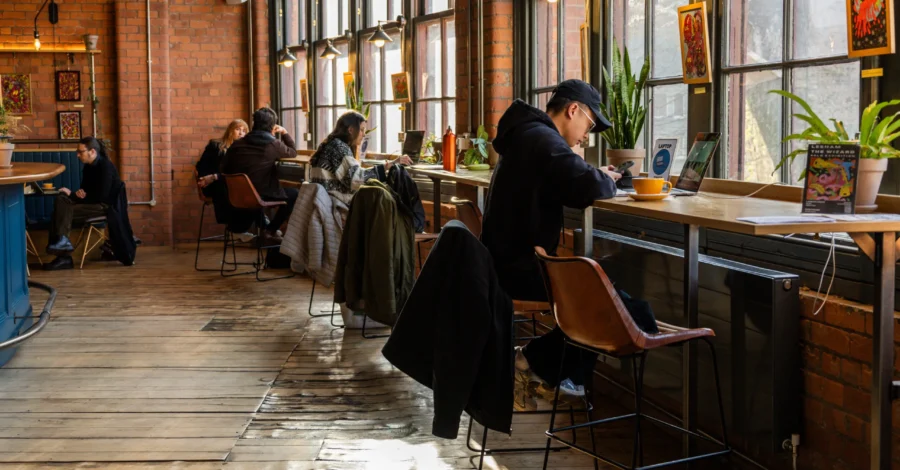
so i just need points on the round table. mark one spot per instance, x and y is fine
(15, 306)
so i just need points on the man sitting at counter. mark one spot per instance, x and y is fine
(538, 174)
(98, 179)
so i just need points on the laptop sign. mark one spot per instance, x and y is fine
(698, 160)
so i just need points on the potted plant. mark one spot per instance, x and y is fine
(477, 153)
(625, 111)
(355, 103)
(9, 127)
(875, 137)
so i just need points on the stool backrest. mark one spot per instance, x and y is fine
(586, 305)
(469, 214)
(241, 193)
(199, 189)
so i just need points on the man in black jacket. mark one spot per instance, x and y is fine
(256, 155)
(99, 177)
(538, 174)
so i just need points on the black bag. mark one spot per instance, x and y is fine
(640, 312)
(276, 260)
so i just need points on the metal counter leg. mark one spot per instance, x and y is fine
(883, 349)
(689, 375)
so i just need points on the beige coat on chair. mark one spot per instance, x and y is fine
(314, 231)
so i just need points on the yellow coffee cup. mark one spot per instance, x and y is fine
(47, 185)
(651, 185)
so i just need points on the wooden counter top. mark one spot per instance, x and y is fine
(472, 178)
(27, 172)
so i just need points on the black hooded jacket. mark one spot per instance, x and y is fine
(538, 174)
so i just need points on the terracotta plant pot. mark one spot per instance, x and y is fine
(90, 41)
(6, 151)
(871, 171)
(617, 157)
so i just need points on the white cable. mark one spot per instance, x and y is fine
(754, 193)
(833, 259)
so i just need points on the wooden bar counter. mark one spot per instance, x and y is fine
(15, 307)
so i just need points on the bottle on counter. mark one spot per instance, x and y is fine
(448, 147)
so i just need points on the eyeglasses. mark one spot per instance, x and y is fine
(588, 118)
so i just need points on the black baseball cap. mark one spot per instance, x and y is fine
(584, 92)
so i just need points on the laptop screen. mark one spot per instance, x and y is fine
(698, 161)
(412, 144)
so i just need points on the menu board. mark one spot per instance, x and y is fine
(663, 157)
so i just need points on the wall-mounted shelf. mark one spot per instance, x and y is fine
(48, 50)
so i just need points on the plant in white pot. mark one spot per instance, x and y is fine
(9, 127)
(875, 138)
(625, 110)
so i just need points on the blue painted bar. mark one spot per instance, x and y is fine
(15, 308)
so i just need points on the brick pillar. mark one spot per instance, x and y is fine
(151, 224)
(498, 62)
(261, 70)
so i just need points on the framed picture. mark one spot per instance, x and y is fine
(68, 85)
(870, 27)
(69, 124)
(15, 93)
(304, 95)
(400, 87)
(694, 39)
(349, 86)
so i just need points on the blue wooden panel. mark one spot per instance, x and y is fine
(40, 209)
(15, 308)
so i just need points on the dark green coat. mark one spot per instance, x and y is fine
(376, 261)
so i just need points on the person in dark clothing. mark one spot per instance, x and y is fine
(256, 155)
(210, 163)
(99, 177)
(538, 174)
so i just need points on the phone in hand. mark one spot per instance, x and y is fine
(621, 168)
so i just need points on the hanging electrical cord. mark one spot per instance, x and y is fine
(833, 259)
(754, 193)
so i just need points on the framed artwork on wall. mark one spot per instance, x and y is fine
(68, 85)
(304, 95)
(69, 124)
(400, 87)
(15, 93)
(349, 87)
(870, 27)
(694, 39)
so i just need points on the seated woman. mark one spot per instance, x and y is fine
(209, 176)
(335, 167)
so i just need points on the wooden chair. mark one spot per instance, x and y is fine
(243, 196)
(95, 226)
(207, 202)
(31, 249)
(591, 314)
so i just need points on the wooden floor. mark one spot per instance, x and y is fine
(159, 366)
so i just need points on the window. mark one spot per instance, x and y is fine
(809, 59)
(330, 101)
(335, 17)
(293, 118)
(382, 10)
(436, 75)
(294, 21)
(434, 6)
(378, 64)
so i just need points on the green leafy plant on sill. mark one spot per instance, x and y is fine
(428, 152)
(10, 126)
(875, 135)
(355, 102)
(477, 153)
(625, 110)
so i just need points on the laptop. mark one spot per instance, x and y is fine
(412, 145)
(695, 167)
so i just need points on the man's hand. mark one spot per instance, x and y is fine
(278, 130)
(610, 171)
(65, 191)
(80, 194)
(205, 181)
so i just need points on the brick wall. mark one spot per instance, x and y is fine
(200, 74)
(836, 361)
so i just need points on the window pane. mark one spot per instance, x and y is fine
(288, 86)
(393, 125)
(575, 16)
(449, 117)
(393, 63)
(429, 59)
(634, 30)
(666, 47)
(541, 100)
(832, 91)
(371, 72)
(670, 119)
(325, 123)
(450, 65)
(754, 126)
(325, 80)
(292, 20)
(429, 117)
(432, 6)
(345, 16)
(342, 64)
(546, 47)
(378, 10)
(375, 123)
(756, 31)
(820, 28)
(330, 19)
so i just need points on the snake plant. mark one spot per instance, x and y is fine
(625, 109)
(355, 102)
(875, 135)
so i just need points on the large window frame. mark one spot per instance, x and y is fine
(338, 102)
(446, 98)
(385, 143)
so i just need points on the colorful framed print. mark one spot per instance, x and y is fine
(349, 85)
(15, 93)
(304, 95)
(400, 87)
(694, 39)
(69, 125)
(870, 27)
(68, 85)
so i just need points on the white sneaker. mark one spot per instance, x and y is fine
(245, 237)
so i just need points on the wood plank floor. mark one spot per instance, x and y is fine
(160, 366)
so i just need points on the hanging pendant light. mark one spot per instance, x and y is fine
(330, 51)
(286, 58)
(379, 37)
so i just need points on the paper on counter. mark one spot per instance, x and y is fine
(786, 219)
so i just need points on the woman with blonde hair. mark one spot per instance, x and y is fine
(210, 161)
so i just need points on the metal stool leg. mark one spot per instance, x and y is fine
(228, 238)
(261, 260)
(712, 351)
(637, 450)
(364, 335)
(332, 317)
(84, 252)
(33, 248)
(200, 238)
(324, 313)
(555, 405)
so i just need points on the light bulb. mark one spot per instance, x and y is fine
(329, 56)
(37, 44)
(289, 63)
(379, 43)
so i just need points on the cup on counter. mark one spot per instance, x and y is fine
(651, 185)
(47, 185)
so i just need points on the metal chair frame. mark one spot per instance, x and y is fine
(91, 227)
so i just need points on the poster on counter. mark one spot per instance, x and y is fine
(830, 183)
(663, 157)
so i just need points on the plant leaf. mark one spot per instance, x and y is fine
(814, 119)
